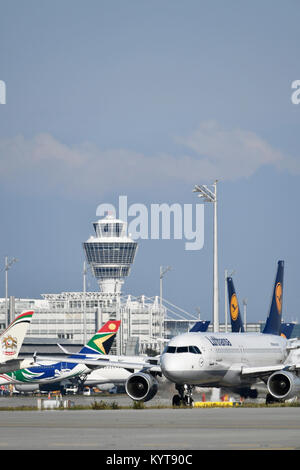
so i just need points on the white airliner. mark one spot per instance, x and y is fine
(107, 375)
(233, 360)
(222, 360)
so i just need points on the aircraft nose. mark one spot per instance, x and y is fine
(169, 367)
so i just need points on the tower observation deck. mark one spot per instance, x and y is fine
(110, 253)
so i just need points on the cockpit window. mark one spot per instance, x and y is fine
(182, 349)
(194, 350)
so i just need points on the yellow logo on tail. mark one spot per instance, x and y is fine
(99, 342)
(234, 307)
(278, 297)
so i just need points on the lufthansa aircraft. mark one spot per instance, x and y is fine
(236, 361)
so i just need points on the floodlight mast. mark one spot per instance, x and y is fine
(162, 272)
(84, 302)
(8, 264)
(211, 196)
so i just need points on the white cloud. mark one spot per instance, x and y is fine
(233, 154)
(211, 152)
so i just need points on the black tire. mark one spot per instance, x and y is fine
(188, 401)
(176, 401)
(270, 399)
(253, 393)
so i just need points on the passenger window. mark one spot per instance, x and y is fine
(194, 350)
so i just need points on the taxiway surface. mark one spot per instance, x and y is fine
(152, 429)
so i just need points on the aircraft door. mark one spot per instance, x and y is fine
(201, 357)
(243, 355)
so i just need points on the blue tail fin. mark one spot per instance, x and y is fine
(287, 330)
(273, 323)
(235, 314)
(200, 326)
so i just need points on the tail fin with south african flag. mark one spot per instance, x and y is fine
(102, 341)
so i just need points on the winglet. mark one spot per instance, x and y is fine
(63, 349)
(287, 330)
(201, 325)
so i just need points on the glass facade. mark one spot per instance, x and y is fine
(110, 253)
(111, 272)
(109, 229)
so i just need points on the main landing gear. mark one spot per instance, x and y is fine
(184, 396)
(270, 399)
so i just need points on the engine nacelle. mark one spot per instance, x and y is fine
(283, 385)
(141, 386)
(26, 388)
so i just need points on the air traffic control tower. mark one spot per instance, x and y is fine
(110, 254)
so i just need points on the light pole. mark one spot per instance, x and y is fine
(162, 272)
(84, 302)
(8, 264)
(211, 196)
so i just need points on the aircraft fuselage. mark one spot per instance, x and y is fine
(217, 359)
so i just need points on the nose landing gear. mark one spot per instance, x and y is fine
(184, 396)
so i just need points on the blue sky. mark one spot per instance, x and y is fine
(147, 99)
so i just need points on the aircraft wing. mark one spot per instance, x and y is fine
(106, 360)
(264, 371)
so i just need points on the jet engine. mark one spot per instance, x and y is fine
(26, 388)
(141, 387)
(283, 385)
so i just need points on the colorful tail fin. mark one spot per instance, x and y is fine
(235, 314)
(273, 324)
(200, 326)
(12, 338)
(102, 341)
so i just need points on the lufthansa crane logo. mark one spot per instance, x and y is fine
(278, 297)
(9, 345)
(234, 307)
